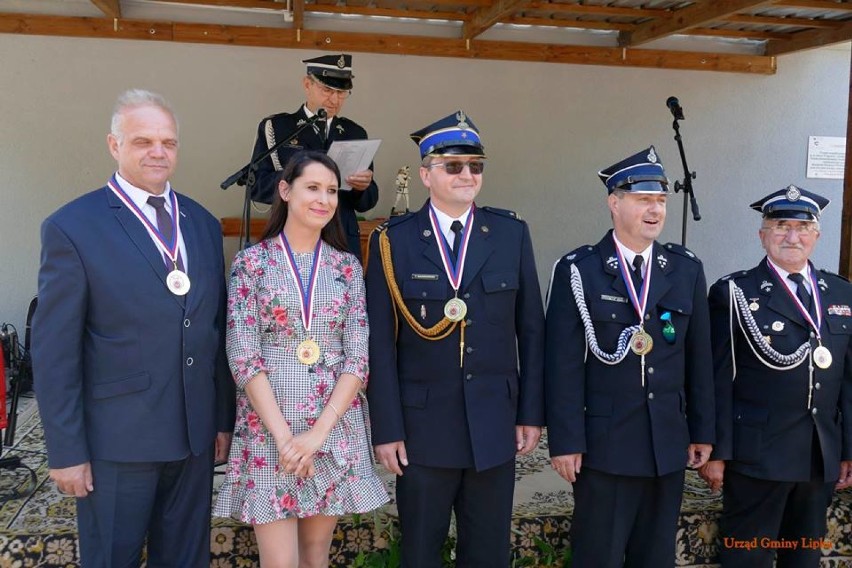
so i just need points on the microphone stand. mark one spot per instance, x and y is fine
(247, 175)
(688, 176)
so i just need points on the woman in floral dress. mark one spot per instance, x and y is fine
(297, 346)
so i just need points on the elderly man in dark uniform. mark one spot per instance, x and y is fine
(782, 350)
(628, 387)
(456, 355)
(327, 84)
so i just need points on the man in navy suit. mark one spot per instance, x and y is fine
(782, 350)
(628, 388)
(128, 352)
(327, 84)
(456, 355)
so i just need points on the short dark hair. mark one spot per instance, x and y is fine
(332, 233)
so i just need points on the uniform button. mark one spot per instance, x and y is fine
(467, 296)
(186, 323)
(765, 326)
(468, 349)
(423, 294)
(650, 370)
(189, 361)
(613, 316)
(843, 326)
(817, 386)
(813, 334)
(502, 284)
(647, 317)
(650, 396)
(468, 322)
(468, 377)
(814, 411)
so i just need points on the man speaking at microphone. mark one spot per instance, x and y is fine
(327, 84)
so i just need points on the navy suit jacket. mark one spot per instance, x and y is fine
(764, 426)
(124, 369)
(450, 415)
(275, 128)
(603, 411)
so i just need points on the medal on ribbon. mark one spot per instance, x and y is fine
(308, 352)
(641, 343)
(455, 309)
(177, 281)
(821, 355)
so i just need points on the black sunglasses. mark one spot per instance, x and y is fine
(455, 167)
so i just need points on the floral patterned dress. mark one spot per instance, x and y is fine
(264, 329)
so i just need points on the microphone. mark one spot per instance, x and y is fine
(321, 126)
(674, 106)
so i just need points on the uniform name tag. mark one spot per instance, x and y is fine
(415, 276)
(613, 298)
(839, 310)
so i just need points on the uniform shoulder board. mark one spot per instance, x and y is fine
(681, 250)
(502, 212)
(274, 116)
(394, 221)
(733, 275)
(579, 253)
(830, 273)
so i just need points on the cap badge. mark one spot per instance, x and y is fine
(612, 262)
(460, 116)
(341, 62)
(793, 193)
(652, 156)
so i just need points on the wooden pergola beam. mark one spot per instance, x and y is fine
(776, 21)
(255, 36)
(678, 21)
(246, 4)
(110, 8)
(484, 18)
(583, 10)
(815, 4)
(298, 14)
(810, 39)
(387, 12)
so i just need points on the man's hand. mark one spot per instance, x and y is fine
(568, 466)
(392, 456)
(845, 479)
(713, 472)
(698, 454)
(221, 448)
(359, 181)
(75, 480)
(527, 438)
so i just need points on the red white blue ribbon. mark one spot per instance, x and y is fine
(306, 295)
(454, 270)
(815, 325)
(639, 304)
(168, 249)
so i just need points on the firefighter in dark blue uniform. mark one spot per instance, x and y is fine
(327, 84)
(782, 351)
(628, 387)
(456, 355)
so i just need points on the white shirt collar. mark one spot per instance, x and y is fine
(445, 221)
(629, 255)
(139, 196)
(806, 272)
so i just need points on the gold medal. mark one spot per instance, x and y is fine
(641, 343)
(178, 282)
(455, 309)
(308, 352)
(822, 357)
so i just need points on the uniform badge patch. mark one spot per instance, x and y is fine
(662, 260)
(766, 286)
(570, 256)
(823, 285)
(839, 310)
(609, 298)
(612, 262)
(301, 122)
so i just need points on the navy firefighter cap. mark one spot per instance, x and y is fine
(454, 134)
(791, 203)
(640, 173)
(333, 71)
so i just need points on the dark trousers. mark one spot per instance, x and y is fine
(761, 518)
(625, 521)
(482, 501)
(169, 502)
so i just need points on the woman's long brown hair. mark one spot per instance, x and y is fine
(332, 233)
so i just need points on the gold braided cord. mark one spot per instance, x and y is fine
(438, 331)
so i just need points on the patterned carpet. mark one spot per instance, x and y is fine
(40, 530)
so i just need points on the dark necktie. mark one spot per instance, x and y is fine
(166, 227)
(456, 228)
(638, 260)
(802, 292)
